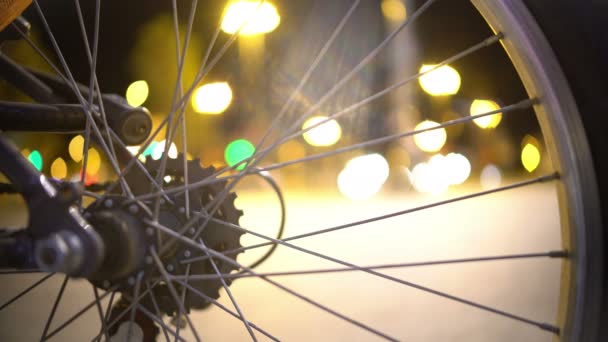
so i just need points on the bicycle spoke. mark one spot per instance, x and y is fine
(259, 155)
(202, 72)
(365, 61)
(100, 311)
(507, 109)
(169, 133)
(541, 325)
(282, 287)
(136, 289)
(225, 309)
(173, 292)
(156, 319)
(47, 325)
(26, 291)
(183, 294)
(551, 254)
(227, 288)
(78, 314)
(125, 310)
(81, 100)
(308, 73)
(106, 317)
(271, 241)
(158, 313)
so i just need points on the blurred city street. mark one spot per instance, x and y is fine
(512, 222)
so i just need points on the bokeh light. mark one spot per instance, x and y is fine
(134, 150)
(485, 106)
(59, 169)
(440, 172)
(458, 168)
(430, 141)
(530, 157)
(93, 162)
(442, 81)
(212, 98)
(363, 176)
(237, 151)
(76, 147)
(393, 10)
(150, 149)
(159, 150)
(137, 93)
(325, 134)
(36, 159)
(490, 177)
(254, 17)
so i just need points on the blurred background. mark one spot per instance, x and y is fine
(236, 102)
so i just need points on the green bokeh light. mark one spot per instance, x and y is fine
(237, 151)
(148, 151)
(36, 159)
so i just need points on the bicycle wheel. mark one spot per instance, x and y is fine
(365, 256)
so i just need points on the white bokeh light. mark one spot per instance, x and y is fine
(363, 176)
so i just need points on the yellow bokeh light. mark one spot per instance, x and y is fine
(59, 169)
(134, 150)
(26, 152)
(75, 148)
(442, 81)
(363, 176)
(485, 106)
(137, 93)
(326, 134)
(212, 98)
(251, 17)
(393, 10)
(530, 157)
(430, 141)
(93, 162)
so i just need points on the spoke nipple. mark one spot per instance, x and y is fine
(549, 327)
(187, 254)
(108, 203)
(133, 208)
(131, 281)
(150, 231)
(170, 268)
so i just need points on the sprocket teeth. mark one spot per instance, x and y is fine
(232, 237)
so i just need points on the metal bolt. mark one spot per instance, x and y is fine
(182, 210)
(150, 231)
(170, 268)
(133, 208)
(149, 260)
(187, 254)
(106, 284)
(60, 252)
(108, 203)
(192, 230)
(87, 215)
(131, 281)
